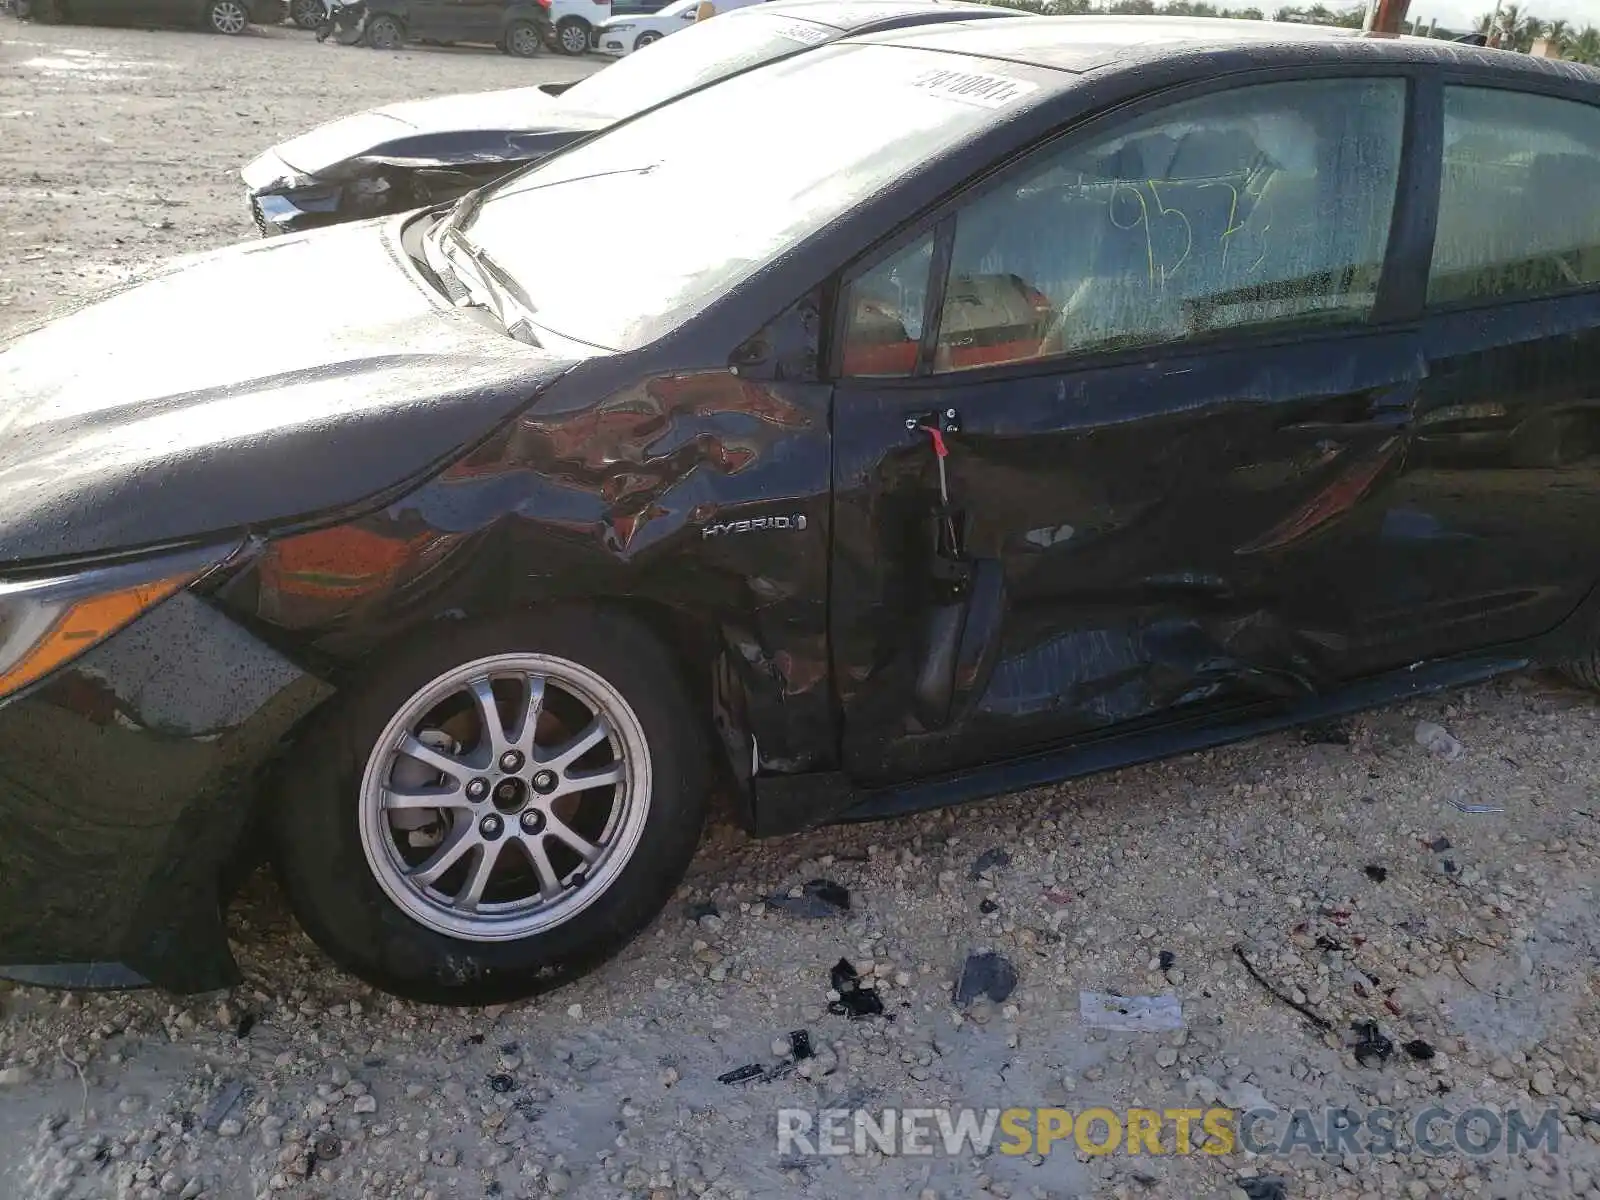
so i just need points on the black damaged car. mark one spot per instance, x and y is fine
(1017, 402)
(402, 156)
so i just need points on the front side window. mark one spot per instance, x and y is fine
(1253, 208)
(1519, 203)
(883, 313)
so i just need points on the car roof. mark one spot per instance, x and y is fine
(850, 15)
(1080, 44)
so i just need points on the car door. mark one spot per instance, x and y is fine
(1488, 536)
(430, 20)
(477, 20)
(1158, 357)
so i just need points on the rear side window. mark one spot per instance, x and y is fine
(1519, 204)
(1257, 207)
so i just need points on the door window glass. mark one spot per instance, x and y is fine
(1519, 204)
(1248, 208)
(884, 310)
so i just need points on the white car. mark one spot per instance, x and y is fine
(624, 35)
(576, 23)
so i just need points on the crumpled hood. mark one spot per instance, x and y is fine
(445, 128)
(243, 387)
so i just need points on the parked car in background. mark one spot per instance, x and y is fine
(623, 35)
(520, 27)
(307, 14)
(1001, 402)
(576, 22)
(230, 17)
(426, 151)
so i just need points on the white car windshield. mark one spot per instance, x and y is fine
(697, 55)
(693, 198)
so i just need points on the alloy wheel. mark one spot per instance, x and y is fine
(574, 38)
(525, 41)
(384, 33)
(229, 17)
(307, 14)
(505, 797)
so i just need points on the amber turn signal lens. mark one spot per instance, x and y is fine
(85, 623)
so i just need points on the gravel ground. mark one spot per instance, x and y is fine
(1340, 862)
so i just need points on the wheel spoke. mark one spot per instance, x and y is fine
(412, 747)
(528, 727)
(472, 894)
(561, 831)
(494, 733)
(582, 781)
(564, 756)
(398, 799)
(549, 884)
(462, 838)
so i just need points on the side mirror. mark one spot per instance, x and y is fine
(690, 15)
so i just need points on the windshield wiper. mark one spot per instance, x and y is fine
(492, 270)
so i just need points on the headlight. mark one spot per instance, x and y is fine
(269, 172)
(615, 28)
(46, 623)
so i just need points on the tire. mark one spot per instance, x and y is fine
(228, 17)
(524, 39)
(342, 853)
(307, 14)
(644, 39)
(572, 36)
(1585, 671)
(385, 33)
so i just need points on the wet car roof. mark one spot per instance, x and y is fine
(1079, 44)
(854, 14)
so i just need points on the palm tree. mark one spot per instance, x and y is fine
(1585, 47)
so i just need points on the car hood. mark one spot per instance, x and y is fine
(446, 129)
(258, 384)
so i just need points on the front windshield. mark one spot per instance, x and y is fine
(697, 55)
(692, 198)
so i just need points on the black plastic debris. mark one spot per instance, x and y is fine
(818, 899)
(742, 1074)
(987, 906)
(988, 860)
(1166, 959)
(987, 974)
(1449, 866)
(474, 1039)
(501, 1084)
(1418, 1049)
(1439, 845)
(247, 1022)
(1376, 873)
(855, 1001)
(1264, 1187)
(1327, 733)
(800, 1045)
(1372, 1049)
(696, 909)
